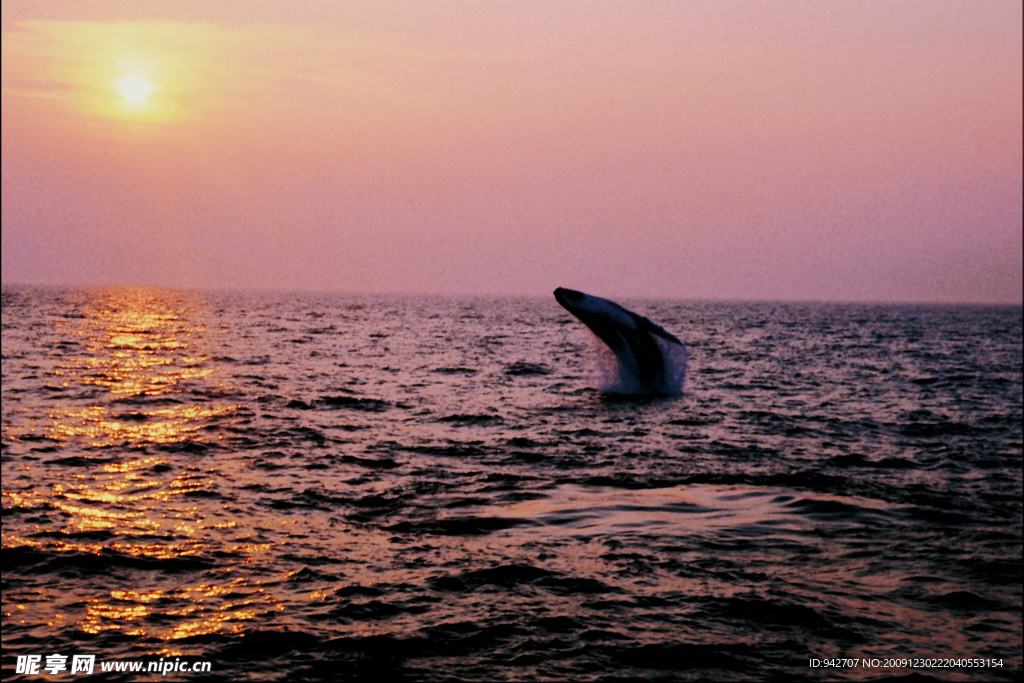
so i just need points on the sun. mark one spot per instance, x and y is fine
(135, 88)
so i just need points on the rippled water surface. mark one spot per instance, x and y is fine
(302, 487)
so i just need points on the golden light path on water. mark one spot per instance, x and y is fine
(137, 345)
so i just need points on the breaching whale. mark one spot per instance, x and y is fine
(651, 360)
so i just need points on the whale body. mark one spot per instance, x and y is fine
(650, 360)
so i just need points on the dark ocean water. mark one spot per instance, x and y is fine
(303, 487)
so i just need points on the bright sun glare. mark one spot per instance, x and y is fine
(135, 88)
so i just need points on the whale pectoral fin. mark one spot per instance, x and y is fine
(625, 348)
(648, 363)
(609, 336)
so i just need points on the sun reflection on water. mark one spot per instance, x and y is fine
(105, 617)
(144, 350)
(208, 609)
(137, 596)
(132, 373)
(103, 428)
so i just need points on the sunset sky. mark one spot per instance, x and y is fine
(706, 149)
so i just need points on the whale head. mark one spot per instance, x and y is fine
(594, 309)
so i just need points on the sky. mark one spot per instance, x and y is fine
(825, 150)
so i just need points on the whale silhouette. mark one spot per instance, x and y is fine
(651, 360)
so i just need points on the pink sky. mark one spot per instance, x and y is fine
(785, 150)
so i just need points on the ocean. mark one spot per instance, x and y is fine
(309, 487)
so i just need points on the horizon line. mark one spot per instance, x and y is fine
(496, 294)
